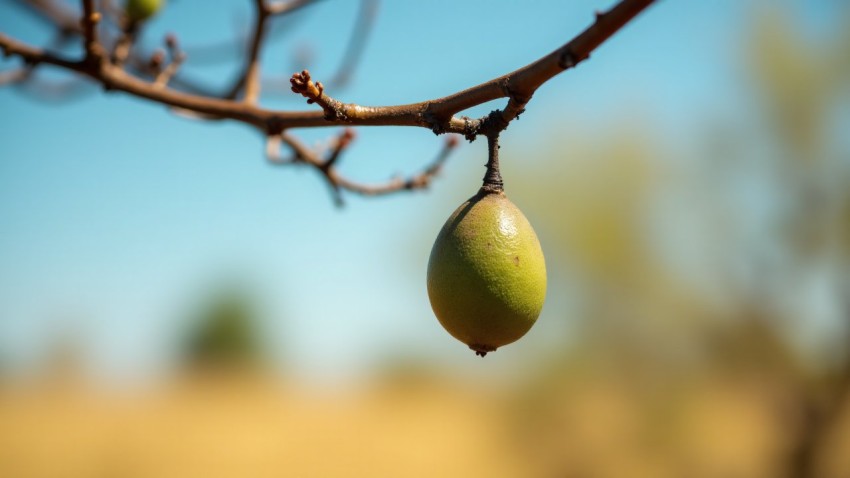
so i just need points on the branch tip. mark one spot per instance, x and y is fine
(157, 59)
(171, 41)
(302, 84)
(348, 135)
(175, 60)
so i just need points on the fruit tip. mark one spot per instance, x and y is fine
(482, 350)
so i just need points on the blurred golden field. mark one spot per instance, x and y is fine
(225, 427)
(255, 426)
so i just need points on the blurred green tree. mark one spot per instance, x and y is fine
(665, 378)
(225, 334)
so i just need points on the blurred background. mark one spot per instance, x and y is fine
(173, 305)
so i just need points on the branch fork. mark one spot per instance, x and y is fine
(325, 162)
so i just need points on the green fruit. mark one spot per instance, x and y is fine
(486, 274)
(141, 10)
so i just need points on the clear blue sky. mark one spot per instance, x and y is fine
(117, 217)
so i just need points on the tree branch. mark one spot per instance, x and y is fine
(437, 114)
(90, 19)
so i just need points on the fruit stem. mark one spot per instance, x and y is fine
(493, 177)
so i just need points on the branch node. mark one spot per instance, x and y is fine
(567, 60)
(517, 97)
(492, 124)
(435, 123)
(471, 128)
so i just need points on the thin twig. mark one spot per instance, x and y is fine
(89, 22)
(282, 8)
(420, 180)
(250, 77)
(357, 43)
(342, 142)
(273, 143)
(66, 21)
(121, 50)
(15, 76)
(338, 183)
(169, 71)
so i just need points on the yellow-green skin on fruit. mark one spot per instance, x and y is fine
(140, 10)
(486, 274)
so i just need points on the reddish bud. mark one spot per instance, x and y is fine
(157, 59)
(171, 41)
